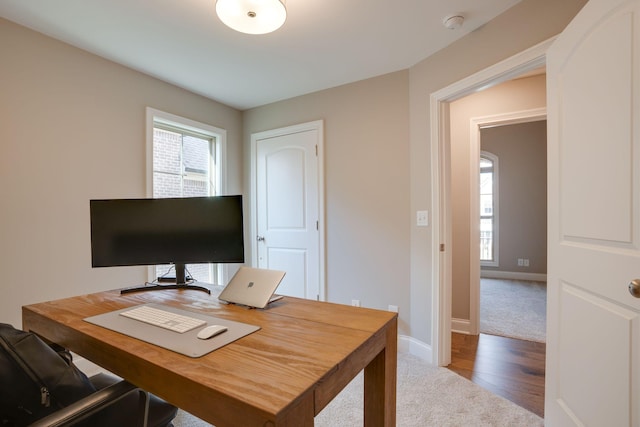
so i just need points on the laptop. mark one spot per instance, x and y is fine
(253, 287)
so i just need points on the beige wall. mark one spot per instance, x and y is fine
(366, 132)
(362, 263)
(513, 96)
(72, 129)
(525, 25)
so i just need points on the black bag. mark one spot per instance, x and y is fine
(35, 378)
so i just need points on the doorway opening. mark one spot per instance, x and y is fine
(465, 271)
(517, 142)
(440, 101)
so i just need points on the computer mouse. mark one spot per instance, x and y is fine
(211, 331)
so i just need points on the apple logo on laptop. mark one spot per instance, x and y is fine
(250, 285)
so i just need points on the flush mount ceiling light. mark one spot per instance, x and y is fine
(252, 16)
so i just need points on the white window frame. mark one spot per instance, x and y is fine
(496, 203)
(219, 135)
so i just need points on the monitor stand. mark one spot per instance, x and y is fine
(180, 283)
(159, 287)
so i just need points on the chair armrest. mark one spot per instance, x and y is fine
(87, 406)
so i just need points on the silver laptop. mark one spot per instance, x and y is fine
(253, 287)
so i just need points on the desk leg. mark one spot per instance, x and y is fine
(380, 383)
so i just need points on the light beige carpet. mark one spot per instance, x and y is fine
(513, 308)
(426, 396)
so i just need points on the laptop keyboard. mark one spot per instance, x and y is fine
(164, 319)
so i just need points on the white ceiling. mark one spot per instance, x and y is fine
(323, 43)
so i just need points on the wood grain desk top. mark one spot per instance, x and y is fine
(284, 374)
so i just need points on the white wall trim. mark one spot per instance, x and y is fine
(507, 69)
(410, 345)
(513, 275)
(461, 326)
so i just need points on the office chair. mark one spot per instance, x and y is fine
(41, 387)
(115, 403)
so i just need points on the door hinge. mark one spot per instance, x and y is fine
(316, 150)
(441, 247)
(317, 226)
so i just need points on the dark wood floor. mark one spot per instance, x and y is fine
(511, 368)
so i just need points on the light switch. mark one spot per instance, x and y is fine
(422, 218)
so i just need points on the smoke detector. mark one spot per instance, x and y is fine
(453, 22)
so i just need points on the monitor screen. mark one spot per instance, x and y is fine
(178, 231)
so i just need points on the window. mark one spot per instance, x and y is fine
(182, 163)
(185, 159)
(488, 209)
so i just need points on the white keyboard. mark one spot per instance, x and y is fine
(164, 319)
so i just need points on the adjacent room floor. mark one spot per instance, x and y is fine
(509, 360)
(508, 367)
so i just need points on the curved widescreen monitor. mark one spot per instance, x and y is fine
(177, 231)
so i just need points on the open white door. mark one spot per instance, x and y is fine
(593, 337)
(288, 207)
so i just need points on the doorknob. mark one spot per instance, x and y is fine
(260, 238)
(634, 288)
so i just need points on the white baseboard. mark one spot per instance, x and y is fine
(415, 347)
(513, 275)
(461, 326)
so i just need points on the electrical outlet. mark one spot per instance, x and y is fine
(355, 302)
(526, 262)
(393, 308)
(520, 262)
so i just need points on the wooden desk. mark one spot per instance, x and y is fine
(282, 375)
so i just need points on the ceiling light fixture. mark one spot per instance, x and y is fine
(252, 16)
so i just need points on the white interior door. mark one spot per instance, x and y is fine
(593, 88)
(288, 207)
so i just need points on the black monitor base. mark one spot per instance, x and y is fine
(158, 287)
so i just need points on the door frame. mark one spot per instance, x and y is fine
(507, 69)
(318, 126)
